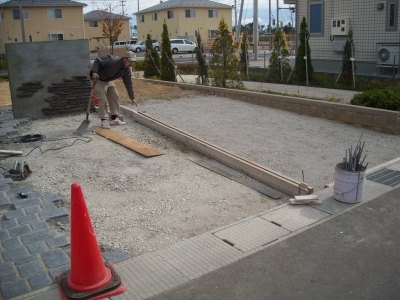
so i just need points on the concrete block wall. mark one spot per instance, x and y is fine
(380, 120)
(33, 68)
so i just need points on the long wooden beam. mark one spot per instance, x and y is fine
(273, 179)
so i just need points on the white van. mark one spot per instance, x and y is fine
(119, 44)
(182, 45)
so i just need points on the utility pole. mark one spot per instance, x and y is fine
(277, 13)
(238, 29)
(21, 15)
(270, 28)
(236, 20)
(255, 30)
(122, 4)
(137, 5)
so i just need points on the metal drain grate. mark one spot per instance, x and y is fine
(385, 176)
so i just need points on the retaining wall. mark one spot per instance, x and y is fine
(380, 120)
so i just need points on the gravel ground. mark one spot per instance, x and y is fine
(140, 204)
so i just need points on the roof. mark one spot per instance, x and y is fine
(35, 3)
(99, 15)
(184, 3)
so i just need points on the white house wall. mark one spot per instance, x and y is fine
(369, 27)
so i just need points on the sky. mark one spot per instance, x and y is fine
(131, 7)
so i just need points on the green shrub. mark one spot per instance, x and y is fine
(378, 98)
(3, 65)
(139, 65)
(4, 76)
(187, 69)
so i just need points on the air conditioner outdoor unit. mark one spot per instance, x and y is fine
(387, 54)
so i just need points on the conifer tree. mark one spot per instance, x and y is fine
(151, 64)
(348, 52)
(224, 62)
(279, 64)
(167, 62)
(244, 57)
(201, 68)
(300, 67)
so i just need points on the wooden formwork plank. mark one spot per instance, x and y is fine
(128, 142)
(264, 175)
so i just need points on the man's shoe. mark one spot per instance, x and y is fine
(117, 122)
(105, 124)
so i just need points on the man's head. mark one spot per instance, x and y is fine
(129, 58)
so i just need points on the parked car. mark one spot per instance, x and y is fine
(141, 46)
(123, 44)
(182, 45)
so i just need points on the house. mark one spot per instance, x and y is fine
(94, 31)
(375, 33)
(184, 19)
(41, 21)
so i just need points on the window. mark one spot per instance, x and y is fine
(56, 36)
(190, 13)
(54, 13)
(93, 24)
(316, 17)
(154, 17)
(213, 13)
(212, 34)
(391, 15)
(17, 15)
(30, 38)
(15, 40)
(170, 14)
(141, 18)
(195, 33)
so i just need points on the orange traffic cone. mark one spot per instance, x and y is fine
(89, 277)
(95, 100)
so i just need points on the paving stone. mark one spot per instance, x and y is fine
(4, 187)
(14, 192)
(48, 206)
(54, 272)
(6, 269)
(11, 243)
(31, 196)
(14, 214)
(25, 260)
(39, 280)
(51, 214)
(32, 209)
(51, 198)
(36, 236)
(27, 219)
(39, 225)
(26, 203)
(4, 201)
(5, 180)
(58, 242)
(55, 258)
(4, 235)
(14, 288)
(30, 268)
(7, 224)
(38, 247)
(15, 254)
(20, 230)
(8, 278)
(3, 194)
(116, 255)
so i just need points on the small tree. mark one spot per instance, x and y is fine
(112, 26)
(279, 64)
(167, 62)
(304, 69)
(224, 62)
(151, 64)
(348, 53)
(201, 68)
(244, 57)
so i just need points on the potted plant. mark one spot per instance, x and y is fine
(350, 175)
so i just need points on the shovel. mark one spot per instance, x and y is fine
(85, 124)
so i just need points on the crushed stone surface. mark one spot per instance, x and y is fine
(141, 204)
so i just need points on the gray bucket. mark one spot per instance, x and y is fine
(348, 186)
